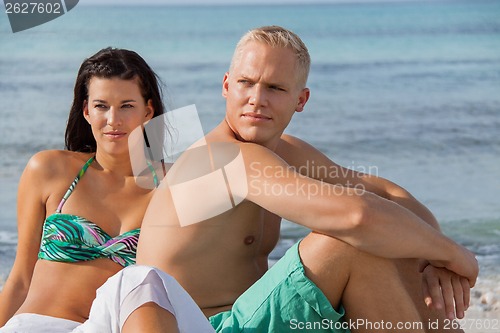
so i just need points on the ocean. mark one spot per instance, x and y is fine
(407, 90)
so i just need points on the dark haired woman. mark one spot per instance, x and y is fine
(75, 233)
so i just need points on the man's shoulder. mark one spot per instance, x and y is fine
(288, 141)
(291, 146)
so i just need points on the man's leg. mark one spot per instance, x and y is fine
(377, 293)
(436, 320)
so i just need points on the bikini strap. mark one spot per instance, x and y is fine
(82, 172)
(73, 184)
(153, 172)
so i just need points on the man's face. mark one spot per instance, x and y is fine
(262, 93)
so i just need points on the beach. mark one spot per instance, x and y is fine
(483, 315)
(404, 90)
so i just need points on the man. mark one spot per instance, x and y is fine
(360, 224)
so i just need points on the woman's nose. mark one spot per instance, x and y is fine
(114, 118)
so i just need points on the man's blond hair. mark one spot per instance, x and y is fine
(276, 36)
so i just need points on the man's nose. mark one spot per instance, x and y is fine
(258, 96)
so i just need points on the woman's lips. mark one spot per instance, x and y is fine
(115, 135)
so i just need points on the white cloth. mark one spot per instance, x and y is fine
(116, 299)
(35, 323)
(134, 286)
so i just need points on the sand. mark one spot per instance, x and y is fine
(483, 315)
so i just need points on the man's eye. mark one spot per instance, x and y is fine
(245, 82)
(276, 88)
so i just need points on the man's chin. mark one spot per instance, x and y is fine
(257, 139)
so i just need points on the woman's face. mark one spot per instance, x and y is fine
(114, 108)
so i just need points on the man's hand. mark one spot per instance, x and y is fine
(445, 290)
(462, 262)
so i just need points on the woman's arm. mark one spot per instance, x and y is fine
(31, 214)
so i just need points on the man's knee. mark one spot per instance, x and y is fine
(328, 263)
(328, 252)
(332, 263)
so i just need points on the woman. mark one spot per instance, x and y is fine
(71, 240)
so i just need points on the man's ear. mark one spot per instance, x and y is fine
(225, 84)
(150, 110)
(86, 111)
(303, 98)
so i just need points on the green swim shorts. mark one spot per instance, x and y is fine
(283, 300)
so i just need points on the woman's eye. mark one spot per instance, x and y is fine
(127, 106)
(100, 106)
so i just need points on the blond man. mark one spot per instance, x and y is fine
(352, 272)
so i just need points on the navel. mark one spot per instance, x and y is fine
(249, 240)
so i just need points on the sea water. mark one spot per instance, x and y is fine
(407, 90)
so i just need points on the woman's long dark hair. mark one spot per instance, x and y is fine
(108, 63)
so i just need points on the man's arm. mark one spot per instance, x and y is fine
(358, 217)
(363, 219)
(312, 163)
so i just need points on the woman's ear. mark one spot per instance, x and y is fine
(150, 110)
(86, 111)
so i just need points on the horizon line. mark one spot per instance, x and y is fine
(258, 3)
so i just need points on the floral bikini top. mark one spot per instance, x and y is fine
(72, 238)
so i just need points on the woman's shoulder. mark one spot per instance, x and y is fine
(51, 163)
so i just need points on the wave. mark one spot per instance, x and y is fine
(8, 246)
(361, 66)
(8, 239)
